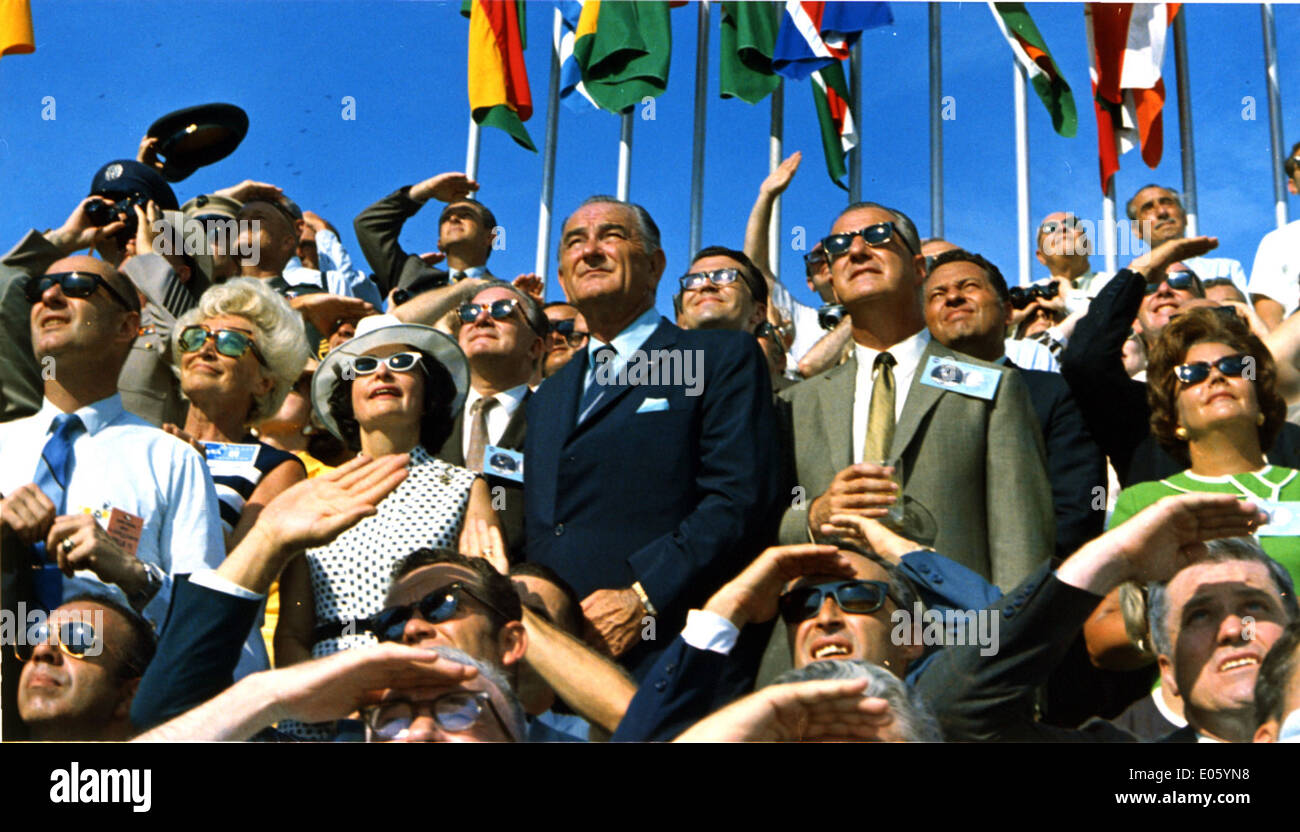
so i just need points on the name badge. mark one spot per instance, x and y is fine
(961, 377)
(1283, 518)
(502, 462)
(122, 526)
(231, 460)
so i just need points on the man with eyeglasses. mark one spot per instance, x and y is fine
(897, 399)
(105, 502)
(568, 336)
(80, 670)
(503, 334)
(1275, 276)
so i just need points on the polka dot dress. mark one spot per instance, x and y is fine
(350, 576)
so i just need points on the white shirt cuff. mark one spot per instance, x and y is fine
(706, 630)
(216, 583)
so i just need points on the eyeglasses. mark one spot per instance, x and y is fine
(436, 607)
(230, 342)
(1052, 226)
(879, 234)
(498, 309)
(718, 277)
(73, 285)
(858, 597)
(813, 260)
(1178, 281)
(398, 362)
(1198, 371)
(567, 330)
(76, 639)
(454, 712)
(767, 330)
(1022, 296)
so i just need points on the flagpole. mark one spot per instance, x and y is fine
(775, 154)
(1020, 79)
(1109, 231)
(855, 107)
(936, 126)
(701, 110)
(548, 161)
(625, 156)
(1274, 112)
(471, 150)
(1185, 120)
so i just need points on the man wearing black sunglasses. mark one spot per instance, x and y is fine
(568, 335)
(878, 406)
(77, 683)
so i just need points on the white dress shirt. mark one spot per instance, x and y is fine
(907, 355)
(498, 418)
(1276, 272)
(123, 462)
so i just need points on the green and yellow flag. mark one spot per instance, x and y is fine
(623, 50)
(748, 36)
(498, 80)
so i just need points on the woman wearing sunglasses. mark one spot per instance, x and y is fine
(393, 388)
(239, 351)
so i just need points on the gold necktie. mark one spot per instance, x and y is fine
(478, 432)
(880, 418)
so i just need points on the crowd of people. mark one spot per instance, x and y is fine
(253, 492)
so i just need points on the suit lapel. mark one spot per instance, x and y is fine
(921, 398)
(513, 438)
(453, 451)
(836, 405)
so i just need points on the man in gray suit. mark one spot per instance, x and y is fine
(974, 481)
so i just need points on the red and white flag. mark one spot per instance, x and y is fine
(1126, 45)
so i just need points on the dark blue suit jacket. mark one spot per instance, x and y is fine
(687, 684)
(196, 658)
(1075, 464)
(680, 497)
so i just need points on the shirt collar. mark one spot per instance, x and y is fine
(95, 416)
(509, 399)
(906, 353)
(630, 339)
(471, 272)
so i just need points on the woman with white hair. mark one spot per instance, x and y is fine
(239, 350)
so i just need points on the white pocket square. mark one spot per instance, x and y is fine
(652, 405)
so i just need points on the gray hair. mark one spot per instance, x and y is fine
(1219, 551)
(646, 228)
(278, 332)
(514, 718)
(912, 716)
(906, 227)
(1130, 207)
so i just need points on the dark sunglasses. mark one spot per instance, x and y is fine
(879, 234)
(718, 277)
(398, 362)
(857, 597)
(436, 607)
(76, 639)
(1178, 281)
(1198, 371)
(813, 260)
(230, 342)
(73, 285)
(498, 309)
(568, 331)
(454, 712)
(1022, 296)
(767, 330)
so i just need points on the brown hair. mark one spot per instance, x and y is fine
(1202, 325)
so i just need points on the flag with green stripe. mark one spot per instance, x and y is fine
(839, 133)
(1031, 52)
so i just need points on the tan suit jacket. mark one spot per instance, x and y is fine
(975, 483)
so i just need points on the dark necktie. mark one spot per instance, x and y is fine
(52, 475)
(601, 381)
(478, 432)
(880, 418)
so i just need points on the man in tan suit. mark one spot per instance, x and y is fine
(974, 481)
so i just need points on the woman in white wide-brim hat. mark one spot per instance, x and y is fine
(393, 388)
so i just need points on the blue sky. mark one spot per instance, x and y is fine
(112, 68)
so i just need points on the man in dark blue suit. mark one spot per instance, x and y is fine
(652, 460)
